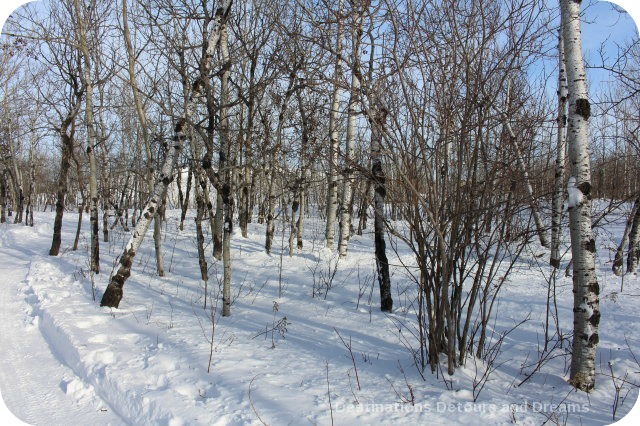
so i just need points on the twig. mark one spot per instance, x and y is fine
(326, 364)
(253, 407)
(353, 359)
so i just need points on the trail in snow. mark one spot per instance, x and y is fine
(147, 363)
(36, 387)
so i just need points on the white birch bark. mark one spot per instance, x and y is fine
(91, 139)
(114, 292)
(352, 111)
(633, 254)
(618, 260)
(586, 317)
(227, 171)
(271, 198)
(558, 193)
(142, 119)
(332, 181)
(32, 181)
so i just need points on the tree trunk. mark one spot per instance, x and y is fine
(271, 200)
(200, 189)
(218, 226)
(270, 206)
(32, 182)
(347, 175)
(586, 304)
(82, 206)
(142, 119)
(114, 292)
(332, 178)
(67, 148)
(3, 198)
(618, 260)
(633, 255)
(226, 170)
(542, 235)
(185, 203)
(558, 193)
(91, 139)
(377, 120)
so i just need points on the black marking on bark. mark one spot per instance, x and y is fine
(591, 245)
(593, 340)
(583, 108)
(595, 318)
(167, 180)
(225, 192)
(179, 126)
(585, 188)
(594, 288)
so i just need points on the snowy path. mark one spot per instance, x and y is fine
(41, 395)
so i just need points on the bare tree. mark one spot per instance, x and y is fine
(114, 291)
(586, 317)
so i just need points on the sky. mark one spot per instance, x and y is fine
(602, 24)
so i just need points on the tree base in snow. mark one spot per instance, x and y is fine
(111, 297)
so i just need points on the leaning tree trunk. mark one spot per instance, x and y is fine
(142, 118)
(558, 192)
(542, 235)
(586, 303)
(113, 293)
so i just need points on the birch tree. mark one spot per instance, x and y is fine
(633, 254)
(586, 309)
(82, 20)
(334, 144)
(558, 192)
(114, 291)
(359, 6)
(144, 128)
(225, 169)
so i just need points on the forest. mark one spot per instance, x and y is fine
(370, 211)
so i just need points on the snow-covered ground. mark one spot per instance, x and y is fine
(282, 357)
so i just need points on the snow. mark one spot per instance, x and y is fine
(66, 360)
(575, 195)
